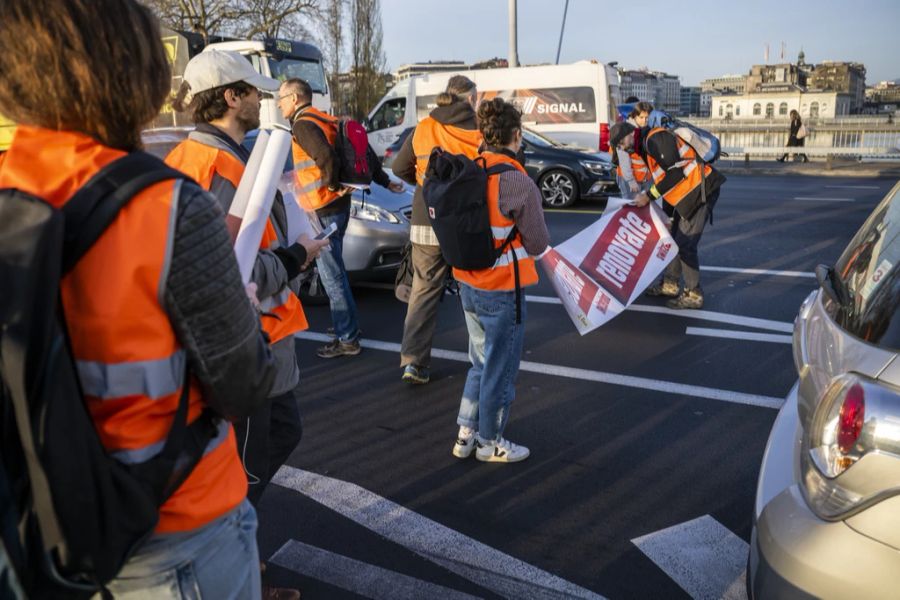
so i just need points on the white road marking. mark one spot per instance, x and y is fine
(668, 387)
(817, 199)
(703, 557)
(701, 315)
(358, 577)
(853, 187)
(469, 558)
(758, 272)
(731, 334)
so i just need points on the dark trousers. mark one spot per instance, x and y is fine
(429, 277)
(266, 439)
(687, 233)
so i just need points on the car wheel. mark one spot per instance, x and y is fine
(558, 189)
(312, 292)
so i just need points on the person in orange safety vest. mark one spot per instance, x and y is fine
(452, 126)
(159, 289)
(489, 296)
(690, 188)
(221, 91)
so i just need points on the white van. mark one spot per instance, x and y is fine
(574, 103)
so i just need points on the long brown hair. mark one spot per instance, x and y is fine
(93, 66)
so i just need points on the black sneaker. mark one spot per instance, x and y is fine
(416, 374)
(336, 348)
(668, 288)
(691, 299)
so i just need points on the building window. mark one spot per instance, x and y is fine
(721, 110)
(782, 108)
(770, 110)
(737, 110)
(814, 110)
(757, 109)
(729, 110)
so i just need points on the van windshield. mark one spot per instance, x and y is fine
(867, 278)
(309, 70)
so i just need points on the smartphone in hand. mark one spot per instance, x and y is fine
(327, 232)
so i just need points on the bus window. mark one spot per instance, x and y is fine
(308, 70)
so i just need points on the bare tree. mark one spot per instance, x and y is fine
(333, 27)
(368, 56)
(239, 18)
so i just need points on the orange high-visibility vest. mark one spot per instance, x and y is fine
(312, 191)
(431, 134)
(129, 360)
(282, 314)
(502, 275)
(688, 164)
(638, 168)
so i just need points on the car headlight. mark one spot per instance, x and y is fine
(596, 167)
(850, 458)
(371, 212)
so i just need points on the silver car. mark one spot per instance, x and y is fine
(379, 220)
(827, 509)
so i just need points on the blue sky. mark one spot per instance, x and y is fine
(719, 37)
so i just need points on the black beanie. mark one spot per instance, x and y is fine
(618, 133)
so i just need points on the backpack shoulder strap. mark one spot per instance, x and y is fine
(500, 168)
(94, 207)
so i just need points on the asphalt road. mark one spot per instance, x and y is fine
(646, 434)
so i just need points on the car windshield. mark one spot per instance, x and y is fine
(867, 278)
(307, 70)
(537, 139)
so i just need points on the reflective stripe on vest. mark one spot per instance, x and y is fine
(203, 162)
(121, 337)
(139, 455)
(501, 276)
(311, 191)
(688, 164)
(431, 134)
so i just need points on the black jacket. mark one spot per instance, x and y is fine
(459, 114)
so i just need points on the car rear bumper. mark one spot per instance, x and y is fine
(795, 554)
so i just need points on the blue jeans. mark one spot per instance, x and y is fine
(495, 349)
(220, 560)
(334, 277)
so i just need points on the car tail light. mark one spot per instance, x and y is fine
(851, 449)
(604, 137)
(388, 152)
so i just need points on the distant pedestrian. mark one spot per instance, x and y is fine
(796, 137)
(453, 127)
(632, 175)
(489, 296)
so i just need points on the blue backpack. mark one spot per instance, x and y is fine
(704, 143)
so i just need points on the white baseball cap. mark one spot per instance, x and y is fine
(214, 68)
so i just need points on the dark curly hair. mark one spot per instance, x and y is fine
(208, 105)
(498, 120)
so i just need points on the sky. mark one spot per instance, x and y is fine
(694, 40)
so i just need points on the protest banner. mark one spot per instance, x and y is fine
(259, 202)
(598, 272)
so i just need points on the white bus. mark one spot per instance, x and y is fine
(575, 104)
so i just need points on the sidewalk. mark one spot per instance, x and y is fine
(815, 167)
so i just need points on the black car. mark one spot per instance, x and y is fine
(391, 151)
(563, 173)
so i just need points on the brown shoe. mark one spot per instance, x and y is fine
(276, 593)
(692, 299)
(668, 288)
(336, 348)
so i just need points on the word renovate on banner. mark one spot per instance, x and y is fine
(617, 258)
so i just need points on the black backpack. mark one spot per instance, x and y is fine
(455, 192)
(351, 145)
(80, 513)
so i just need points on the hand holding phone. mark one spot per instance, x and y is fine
(327, 232)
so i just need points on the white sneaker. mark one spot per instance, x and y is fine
(502, 451)
(465, 443)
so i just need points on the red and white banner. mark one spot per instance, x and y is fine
(601, 270)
